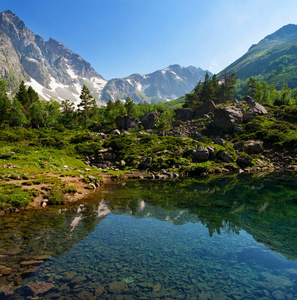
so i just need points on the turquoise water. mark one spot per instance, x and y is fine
(226, 238)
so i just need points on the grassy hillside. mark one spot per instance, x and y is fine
(274, 59)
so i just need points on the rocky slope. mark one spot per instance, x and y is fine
(49, 67)
(273, 59)
(166, 84)
(56, 72)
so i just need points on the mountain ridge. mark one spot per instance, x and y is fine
(55, 72)
(273, 59)
(49, 67)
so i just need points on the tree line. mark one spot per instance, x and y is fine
(228, 87)
(26, 109)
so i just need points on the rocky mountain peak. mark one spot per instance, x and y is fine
(49, 67)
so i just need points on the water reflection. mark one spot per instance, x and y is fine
(179, 239)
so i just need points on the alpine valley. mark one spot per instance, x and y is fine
(55, 72)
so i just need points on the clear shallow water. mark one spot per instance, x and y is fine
(188, 239)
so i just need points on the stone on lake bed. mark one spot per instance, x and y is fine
(40, 288)
(157, 287)
(129, 279)
(117, 287)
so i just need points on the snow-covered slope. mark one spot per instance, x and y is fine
(49, 67)
(166, 84)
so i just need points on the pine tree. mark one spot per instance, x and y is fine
(17, 117)
(228, 86)
(22, 96)
(129, 107)
(33, 96)
(5, 104)
(251, 87)
(87, 103)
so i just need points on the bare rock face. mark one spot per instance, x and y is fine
(58, 71)
(226, 118)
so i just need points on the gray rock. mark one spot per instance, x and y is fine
(219, 141)
(253, 147)
(148, 120)
(116, 132)
(226, 118)
(222, 155)
(183, 114)
(211, 151)
(126, 122)
(244, 162)
(200, 154)
(254, 109)
(145, 163)
(204, 109)
(239, 146)
(248, 99)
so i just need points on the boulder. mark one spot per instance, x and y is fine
(200, 154)
(39, 288)
(239, 146)
(204, 109)
(148, 120)
(219, 141)
(222, 155)
(145, 163)
(183, 114)
(248, 99)
(115, 132)
(253, 147)
(254, 109)
(244, 162)
(211, 151)
(226, 118)
(126, 122)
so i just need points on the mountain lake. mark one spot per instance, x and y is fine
(229, 237)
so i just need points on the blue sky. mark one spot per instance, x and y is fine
(122, 37)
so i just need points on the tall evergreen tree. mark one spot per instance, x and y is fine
(129, 107)
(33, 96)
(5, 104)
(87, 103)
(228, 86)
(251, 87)
(22, 96)
(17, 116)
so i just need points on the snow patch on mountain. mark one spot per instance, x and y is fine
(98, 83)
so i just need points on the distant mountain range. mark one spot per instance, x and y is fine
(56, 72)
(273, 59)
(167, 84)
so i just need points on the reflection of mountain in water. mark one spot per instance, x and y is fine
(264, 208)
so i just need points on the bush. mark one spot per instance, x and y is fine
(69, 189)
(56, 197)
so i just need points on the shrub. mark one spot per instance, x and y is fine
(69, 189)
(56, 197)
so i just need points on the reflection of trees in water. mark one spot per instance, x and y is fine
(264, 207)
